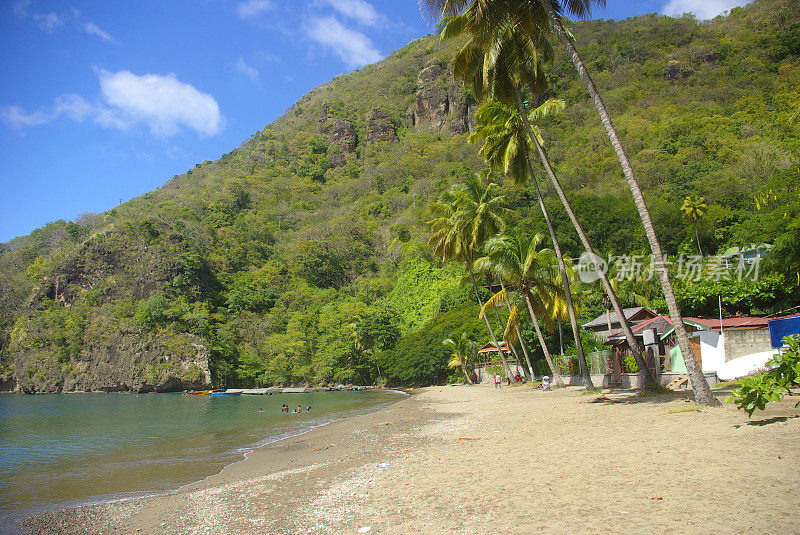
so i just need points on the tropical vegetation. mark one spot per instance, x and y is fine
(295, 261)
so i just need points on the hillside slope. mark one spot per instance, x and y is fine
(269, 264)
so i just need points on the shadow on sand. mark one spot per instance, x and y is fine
(767, 421)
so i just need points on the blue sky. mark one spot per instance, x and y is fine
(103, 101)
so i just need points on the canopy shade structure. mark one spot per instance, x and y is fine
(489, 347)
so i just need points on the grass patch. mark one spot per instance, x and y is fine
(690, 408)
(591, 391)
(724, 384)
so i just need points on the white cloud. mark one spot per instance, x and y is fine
(702, 9)
(21, 8)
(18, 118)
(162, 102)
(253, 8)
(265, 56)
(354, 48)
(91, 28)
(48, 21)
(358, 10)
(241, 66)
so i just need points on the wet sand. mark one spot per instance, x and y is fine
(472, 459)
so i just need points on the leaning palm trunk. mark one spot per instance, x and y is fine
(697, 237)
(587, 378)
(519, 335)
(489, 325)
(525, 351)
(466, 374)
(556, 376)
(645, 378)
(510, 346)
(702, 392)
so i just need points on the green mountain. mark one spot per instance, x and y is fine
(300, 256)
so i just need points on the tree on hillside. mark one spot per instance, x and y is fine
(694, 209)
(462, 351)
(492, 19)
(530, 271)
(512, 59)
(466, 217)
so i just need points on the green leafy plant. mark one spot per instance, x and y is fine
(783, 373)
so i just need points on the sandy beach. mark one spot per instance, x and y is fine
(472, 459)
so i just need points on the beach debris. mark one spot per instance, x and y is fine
(602, 399)
(657, 498)
(365, 529)
(384, 465)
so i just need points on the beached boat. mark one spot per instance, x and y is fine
(225, 394)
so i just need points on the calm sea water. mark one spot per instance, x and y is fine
(70, 449)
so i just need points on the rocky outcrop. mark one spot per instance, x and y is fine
(8, 384)
(462, 110)
(338, 131)
(431, 106)
(676, 70)
(379, 127)
(440, 102)
(116, 360)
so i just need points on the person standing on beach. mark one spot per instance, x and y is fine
(497, 380)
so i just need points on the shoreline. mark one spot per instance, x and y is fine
(110, 515)
(472, 459)
(265, 391)
(11, 522)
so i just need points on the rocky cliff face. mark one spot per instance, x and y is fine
(72, 339)
(340, 135)
(116, 360)
(440, 101)
(380, 127)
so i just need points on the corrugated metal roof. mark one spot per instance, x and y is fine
(660, 323)
(602, 320)
(736, 322)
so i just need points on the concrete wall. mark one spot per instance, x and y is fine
(631, 380)
(744, 342)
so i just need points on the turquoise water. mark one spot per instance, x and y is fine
(69, 449)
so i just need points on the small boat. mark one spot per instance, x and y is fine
(199, 393)
(225, 394)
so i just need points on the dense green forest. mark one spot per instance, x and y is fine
(302, 256)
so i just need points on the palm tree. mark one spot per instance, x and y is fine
(530, 272)
(512, 333)
(467, 215)
(511, 62)
(502, 69)
(462, 350)
(506, 147)
(532, 18)
(694, 209)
